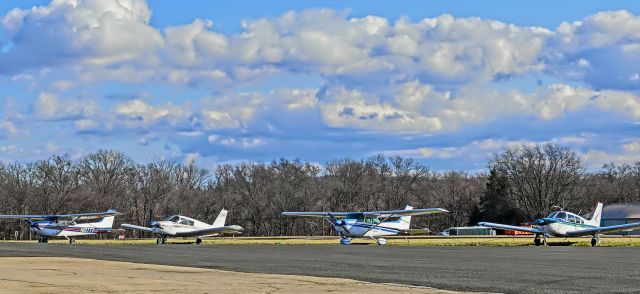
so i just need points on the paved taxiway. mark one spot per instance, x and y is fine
(495, 269)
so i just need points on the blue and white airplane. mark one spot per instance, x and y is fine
(67, 225)
(370, 224)
(566, 224)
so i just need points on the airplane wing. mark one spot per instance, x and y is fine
(508, 227)
(138, 228)
(233, 229)
(382, 213)
(604, 230)
(319, 213)
(404, 212)
(74, 216)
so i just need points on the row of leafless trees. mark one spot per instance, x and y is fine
(522, 183)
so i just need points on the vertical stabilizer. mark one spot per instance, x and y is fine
(221, 219)
(106, 222)
(597, 214)
(405, 221)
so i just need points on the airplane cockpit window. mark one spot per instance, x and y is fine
(571, 218)
(66, 222)
(561, 215)
(173, 218)
(372, 220)
(186, 222)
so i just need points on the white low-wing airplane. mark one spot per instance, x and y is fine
(369, 224)
(566, 224)
(182, 226)
(67, 225)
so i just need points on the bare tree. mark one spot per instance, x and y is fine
(56, 179)
(104, 173)
(539, 177)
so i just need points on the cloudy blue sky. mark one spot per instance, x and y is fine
(445, 82)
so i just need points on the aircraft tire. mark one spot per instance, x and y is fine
(198, 241)
(594, 242)
(345, 241)
(381, 241)
(537, 241)
(158, 240)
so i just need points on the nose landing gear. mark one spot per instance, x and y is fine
(538, 240)
(161, 240)
(198, 241)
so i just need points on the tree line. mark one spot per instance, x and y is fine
(520, 183)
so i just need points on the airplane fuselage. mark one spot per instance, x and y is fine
(353, 228)
(173, 229)
(560, 228)
(53, 229)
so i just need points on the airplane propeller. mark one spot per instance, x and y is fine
(33, 225)
(541, 222)
(339, 223)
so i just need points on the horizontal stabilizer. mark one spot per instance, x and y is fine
(231, 230)
(604, 230)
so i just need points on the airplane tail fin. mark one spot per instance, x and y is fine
(221, 219)
(405, 221)
(597, 214)
(107, 221)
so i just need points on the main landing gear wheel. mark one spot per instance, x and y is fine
(161, 240)
(72, 241)
(381, 241)
(345, 241)
(198, 241)
(43, 240)
(595, 241)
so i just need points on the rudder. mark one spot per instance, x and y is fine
(597, 215)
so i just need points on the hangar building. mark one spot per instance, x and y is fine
(621, 213)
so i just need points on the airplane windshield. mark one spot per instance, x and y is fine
(561, 215)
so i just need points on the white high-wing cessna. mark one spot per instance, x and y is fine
(68, 225)
(369, 224)
(182, 226)
(566, 224)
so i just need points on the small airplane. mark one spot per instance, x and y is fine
(68, 225)
(566, 224)
(370, 224)
(182, 226)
